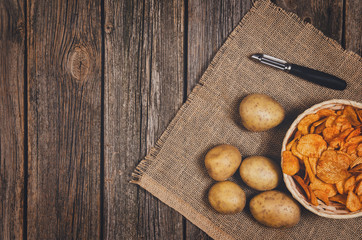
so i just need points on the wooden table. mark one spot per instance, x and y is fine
(87, 87)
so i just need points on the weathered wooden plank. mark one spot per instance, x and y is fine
(326, 16)
(12, 36)
(143, 91)
(64, 114)
(209, 24)
(353, 26)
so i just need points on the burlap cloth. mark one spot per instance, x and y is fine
(174, 172)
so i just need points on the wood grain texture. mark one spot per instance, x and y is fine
(325, 15)
(353, 26)
(12, 36)
(209, 24)
(143, 91)
(64, 119)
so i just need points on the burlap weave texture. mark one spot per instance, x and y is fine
(173, 171)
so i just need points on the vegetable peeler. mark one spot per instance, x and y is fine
(312, 75)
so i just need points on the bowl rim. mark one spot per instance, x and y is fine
(322, 209)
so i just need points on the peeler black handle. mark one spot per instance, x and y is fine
(318, 77)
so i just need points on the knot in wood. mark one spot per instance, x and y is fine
(307, 20)
(79, 63)
(20, 26)
(109, 28)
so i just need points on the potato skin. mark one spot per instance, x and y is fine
(259, 112)
(260, 173)
(227, 197)
(275, 209)
(222, 162)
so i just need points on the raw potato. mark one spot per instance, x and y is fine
(222, 162)
(275, 209)
(259, 112)
(227, 197)
(260, 173)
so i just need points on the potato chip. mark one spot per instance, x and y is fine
(313, 199)
(353, 156)
(359, 113)
(308, 169)
(306, 178)
(326, 113)
(339, 186)
(316, 124)
(354, 133)
(329, 189)
(295, 151)
(353, 204)
(338, 141)
(313, 164)
(303, 125)
(354, 140)
(329, 133)
(296, 138)
(359, 177)
(356, 169)
(297, 135)
(352, 151)
(330, 121)
(349, 184)
(322, 196)
(301, 183)
(342, 123)
(358, 189)
(344, 157)
(351, 115)
(311, 145)
(359, 150)
(339, 198)
(319, 129)
(290, 163)
(356, 162)
(290, 144)
(332, 167)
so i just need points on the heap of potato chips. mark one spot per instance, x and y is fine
(325, 157)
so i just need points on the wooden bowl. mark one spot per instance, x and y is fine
(336, 211)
